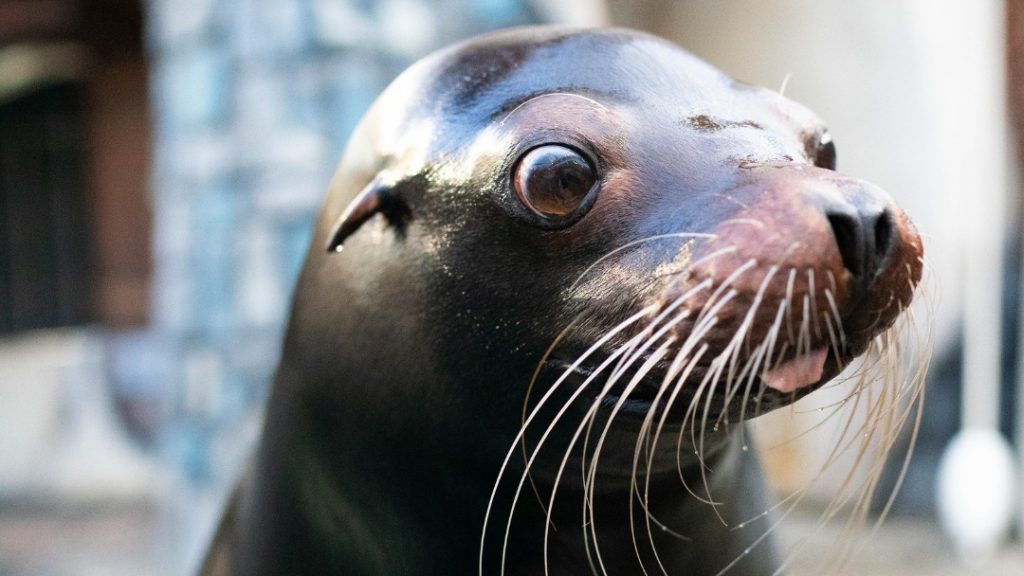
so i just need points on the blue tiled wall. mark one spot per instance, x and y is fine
(254, 100)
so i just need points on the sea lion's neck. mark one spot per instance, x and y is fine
(690, 535)
(350, 498)
(374, 509)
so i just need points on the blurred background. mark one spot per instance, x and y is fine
(161, 162)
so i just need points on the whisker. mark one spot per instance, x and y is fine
(790, 281)
(551, 391)
(830, 296)
(813, 293)
(655, 357)
(628, 245)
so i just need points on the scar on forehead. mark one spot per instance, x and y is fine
(705, 123)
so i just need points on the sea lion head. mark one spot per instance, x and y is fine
(535, 196)
(563, 244)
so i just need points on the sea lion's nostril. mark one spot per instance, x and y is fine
(883, 237)
(864, 238)
(850, 239)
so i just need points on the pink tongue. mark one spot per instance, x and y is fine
(797, 373)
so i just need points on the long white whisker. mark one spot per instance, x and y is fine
(691, 235)
(551, 391)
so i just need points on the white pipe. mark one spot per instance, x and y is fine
(982, 119)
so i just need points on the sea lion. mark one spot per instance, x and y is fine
(554, 269)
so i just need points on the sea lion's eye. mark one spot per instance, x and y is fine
(553, 180)
(825, 152)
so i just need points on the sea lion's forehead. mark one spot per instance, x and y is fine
(499, 72)
(443, 103)
(481, 81)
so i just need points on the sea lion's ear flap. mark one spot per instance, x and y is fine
(368, 202)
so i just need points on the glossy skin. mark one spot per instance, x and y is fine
(409, 354)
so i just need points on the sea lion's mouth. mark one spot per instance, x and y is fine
(797, 373)
(737, 392)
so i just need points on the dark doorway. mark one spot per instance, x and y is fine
(74, 164)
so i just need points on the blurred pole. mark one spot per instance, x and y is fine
(1015, 78)
(1019, 416)
(985, 487)
(984, 177)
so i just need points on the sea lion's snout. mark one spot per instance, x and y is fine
(868, 230)
(797, 281)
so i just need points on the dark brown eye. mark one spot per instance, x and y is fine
(825, 152)
(553, 180)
